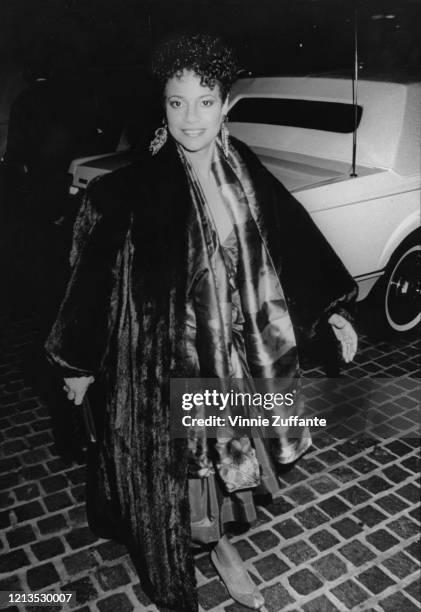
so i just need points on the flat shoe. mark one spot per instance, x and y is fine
(253, 600)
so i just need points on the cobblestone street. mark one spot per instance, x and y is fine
(344, 535)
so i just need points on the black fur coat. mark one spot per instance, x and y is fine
(123, 319)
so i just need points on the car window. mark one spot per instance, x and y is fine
(310, 114)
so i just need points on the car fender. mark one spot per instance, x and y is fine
(402, 231)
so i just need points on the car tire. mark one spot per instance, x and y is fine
(397, 295)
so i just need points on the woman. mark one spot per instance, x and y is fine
(180, 263)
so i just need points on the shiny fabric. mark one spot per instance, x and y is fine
(252, 323)
(143, 247)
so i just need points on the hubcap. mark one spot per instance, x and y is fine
(403, 294)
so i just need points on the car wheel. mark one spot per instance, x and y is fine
(401, 286)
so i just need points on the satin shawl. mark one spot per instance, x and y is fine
(263, 346)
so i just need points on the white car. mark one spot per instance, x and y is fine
(302, 129)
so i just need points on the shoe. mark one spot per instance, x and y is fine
(253, 600)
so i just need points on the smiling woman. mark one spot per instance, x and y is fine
(198, 274)
(194, 112)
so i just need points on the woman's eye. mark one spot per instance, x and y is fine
(207, 103)
(175, 103)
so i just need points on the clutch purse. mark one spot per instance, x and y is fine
(238, 466)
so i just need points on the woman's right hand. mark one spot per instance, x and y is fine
(77, 387)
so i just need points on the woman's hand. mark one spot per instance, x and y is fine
(77, 387)
(346, 335)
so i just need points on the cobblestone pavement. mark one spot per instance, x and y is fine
(344, 534)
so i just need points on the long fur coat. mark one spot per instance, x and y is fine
(123, 320)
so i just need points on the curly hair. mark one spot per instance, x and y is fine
(206, 55)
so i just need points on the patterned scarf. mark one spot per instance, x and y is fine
(264, 345)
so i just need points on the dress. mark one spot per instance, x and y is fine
(156, 305)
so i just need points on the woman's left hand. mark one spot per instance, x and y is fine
(346, 335)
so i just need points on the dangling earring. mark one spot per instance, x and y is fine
(225, 136)
(159, 139)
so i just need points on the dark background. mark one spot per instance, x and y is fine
(271, 35)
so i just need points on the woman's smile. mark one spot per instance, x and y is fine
(193, 133)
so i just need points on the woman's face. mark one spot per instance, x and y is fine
(194, 112)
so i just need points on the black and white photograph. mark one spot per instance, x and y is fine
(210, 253)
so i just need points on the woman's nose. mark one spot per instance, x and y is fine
(191, 113)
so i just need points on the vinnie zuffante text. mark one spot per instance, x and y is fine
(230, 401)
